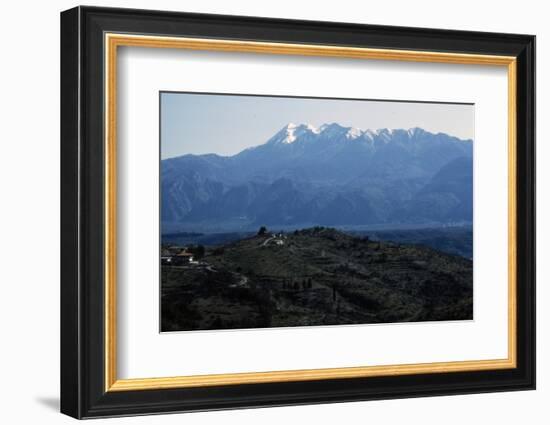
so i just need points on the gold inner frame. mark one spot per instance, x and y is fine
(113, 41)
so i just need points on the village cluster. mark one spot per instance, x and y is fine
(177, 256)
(173, 255)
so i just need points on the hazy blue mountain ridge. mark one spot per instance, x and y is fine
(331, 175)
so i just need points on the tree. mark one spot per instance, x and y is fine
(198, 251)
(218, 251)
(262, 231)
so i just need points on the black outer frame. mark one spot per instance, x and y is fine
(82, 219)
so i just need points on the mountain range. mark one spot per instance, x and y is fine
(328, 175)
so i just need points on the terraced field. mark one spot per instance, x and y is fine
(317, 276)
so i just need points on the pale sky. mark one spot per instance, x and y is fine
(226, 124)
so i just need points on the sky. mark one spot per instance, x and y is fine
(194, 123)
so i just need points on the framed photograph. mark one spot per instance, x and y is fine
(261, 212)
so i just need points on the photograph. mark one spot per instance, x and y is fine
(284, 211)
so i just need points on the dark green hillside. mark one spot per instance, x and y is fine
(316, 276)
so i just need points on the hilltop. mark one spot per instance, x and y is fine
(315, 276)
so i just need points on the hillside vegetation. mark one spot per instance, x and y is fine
(316, 276)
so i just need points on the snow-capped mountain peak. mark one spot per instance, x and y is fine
(354, 133)
(415, 131)
(336, 133)
(290, 132)
(308, 174)
(385, 134)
